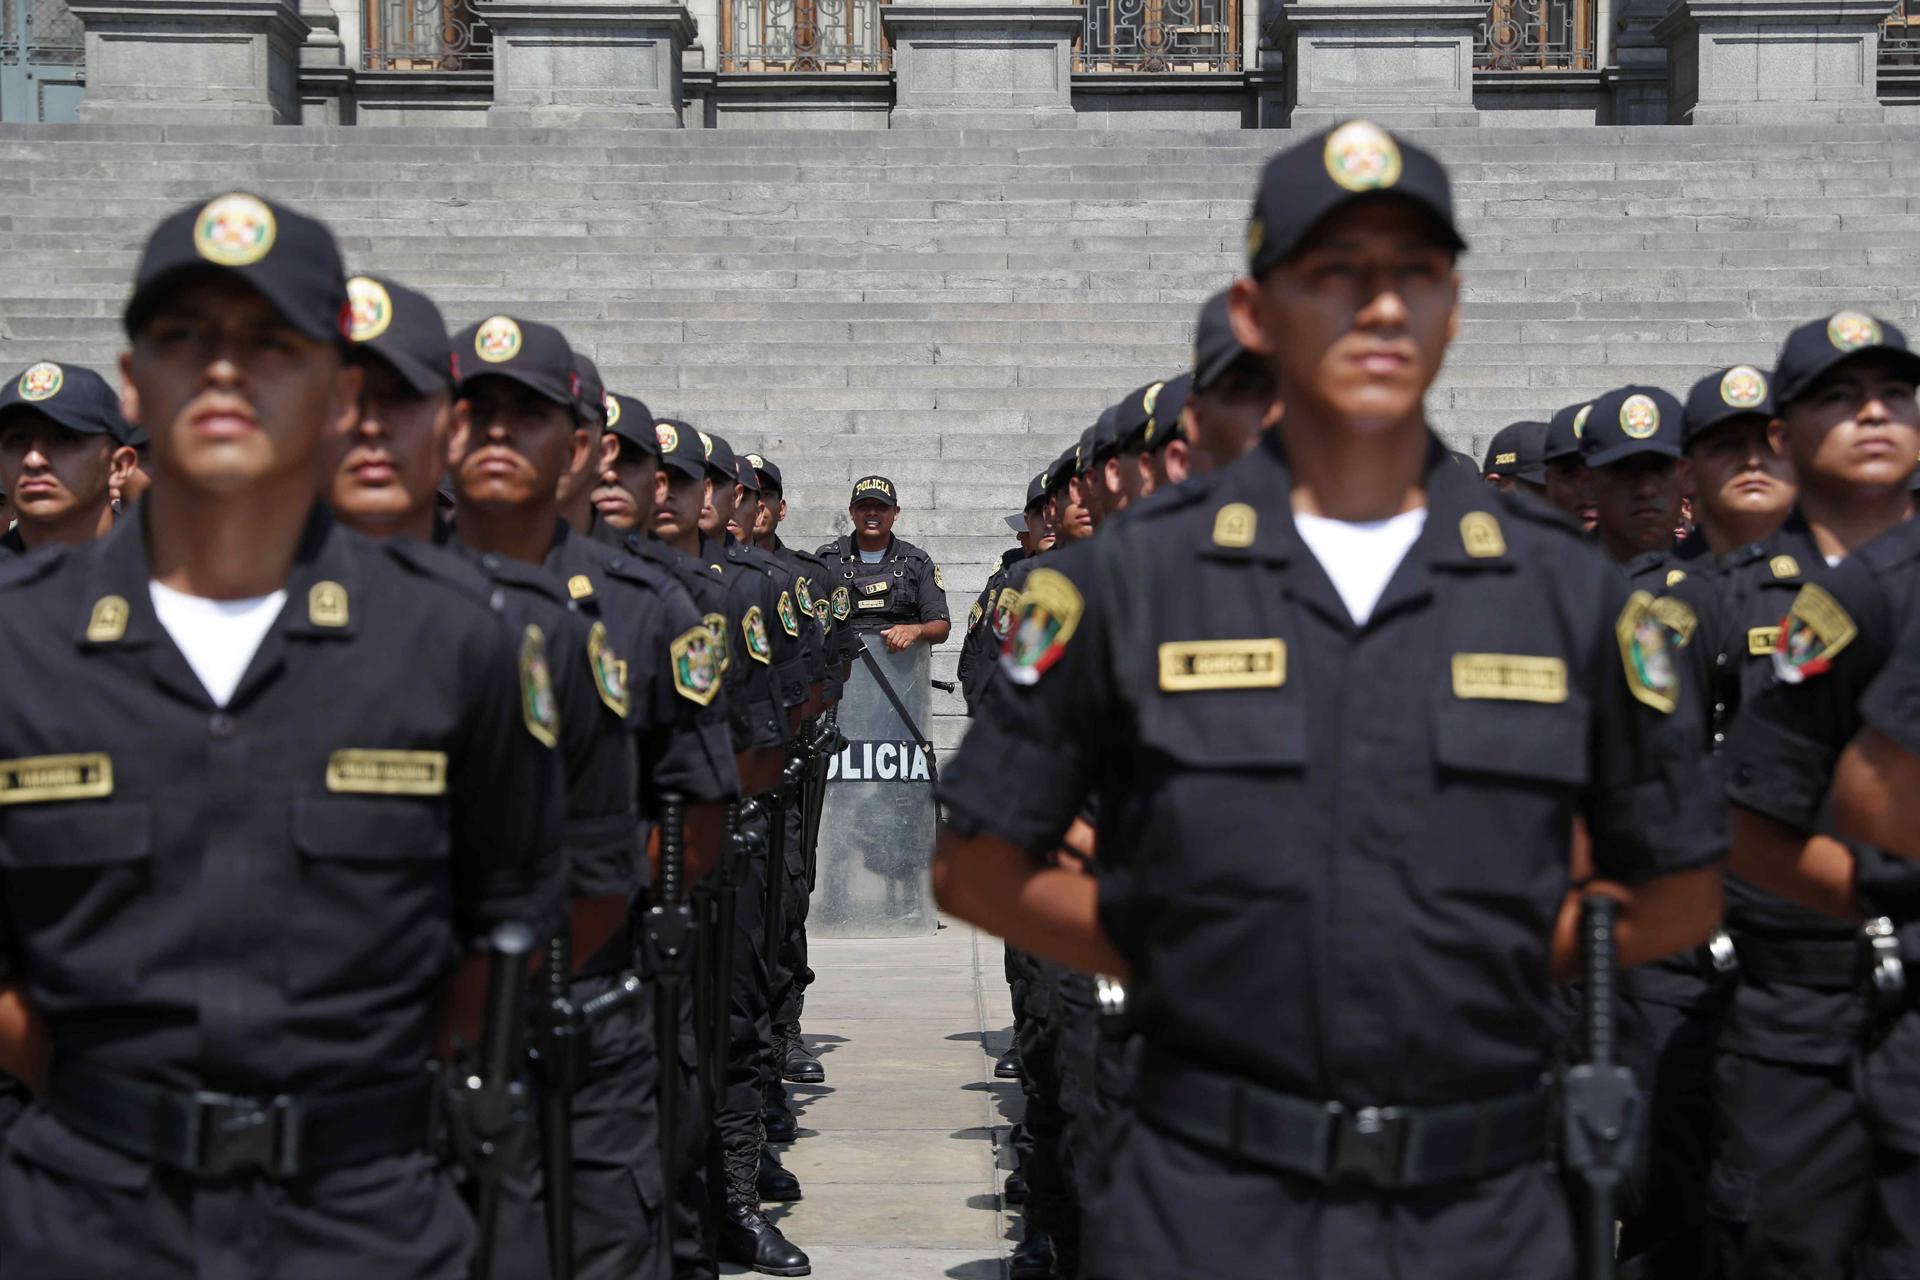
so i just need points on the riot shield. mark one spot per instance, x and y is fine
(877, 822)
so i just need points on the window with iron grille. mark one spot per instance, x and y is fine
(1160, 35)
(1900, 36)
(1536, 35)
(802, 35)
(426, 35)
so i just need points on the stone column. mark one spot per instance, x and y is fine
(1634, 72)
(1773, 61)
(1398, 62)
(982, 63)
(326, 76)
(201, 61)
(590, 63)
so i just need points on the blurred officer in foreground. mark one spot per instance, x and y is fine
(1396, 922)
(237, 939)
(1568, 486)
(1814, 1171)
(896, 588)
(1631, 445)
(1233, 396)
(64, 455)
(1517, 459)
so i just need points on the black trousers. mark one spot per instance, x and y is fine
(1663, 1211)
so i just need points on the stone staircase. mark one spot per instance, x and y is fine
(952, 308)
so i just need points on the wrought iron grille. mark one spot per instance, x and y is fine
(426, 35)
(1160, 35)
(1900, 36)
(40, 31)
(803, 35)
(1536, 35)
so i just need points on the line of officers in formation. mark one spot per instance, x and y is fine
(411, 765)
(1357, 771)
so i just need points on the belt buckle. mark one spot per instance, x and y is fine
(232, 1135)
(1369, 1145)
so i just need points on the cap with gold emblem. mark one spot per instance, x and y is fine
(534, 355)
(287, 258)
(1064, 468)
(874, 489)
(1132, 415)
(1814, 349)
(404, 329)
(680, 447)
(1215, 348)
(593, 392)
(72, 397)
(1630, 420)
(1563, 433)
(1726, 396)
(769, 473)
(1357, 160)
(632, 421)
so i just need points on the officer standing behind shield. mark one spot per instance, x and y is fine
(894, 587)
(1339, 703)
(266, 781)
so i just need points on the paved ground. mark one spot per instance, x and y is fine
(897, 1151)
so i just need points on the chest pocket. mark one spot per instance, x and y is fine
(1225, 728)
(371, 829)
(1528, 742)
(81, 876)
(371, 869)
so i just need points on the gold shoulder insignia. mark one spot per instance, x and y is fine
(1676, 576)
(1480, 535)
(1645, 655)
(609, 672)
(538, 707)
(1676, 616)
(1762, 641)
(579, 586)
(1784, 567)
(1816, 630)
(939, 581)
(716, 625)
(108, 621)
(1234, 525)
(695, 673)
(789, 622)
(327, 605)
(1050, 609)
(753, 628)
(974, 615)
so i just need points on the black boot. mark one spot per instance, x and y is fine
(747, 1237)
(1008, 1066)
(776, 1182)
(796, 1064)
(1016, 1191)
(779, 1118)
(1033, 1260)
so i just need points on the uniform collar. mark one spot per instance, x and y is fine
(323, 596)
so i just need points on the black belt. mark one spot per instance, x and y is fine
(215, 1135)
(1832, 964)
(1330, 1142)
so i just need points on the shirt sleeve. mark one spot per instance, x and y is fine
(1652, 803)
(1891, 703)
(602, 819)
(683, 746)
(508, 790)
(933, 596)
(1782, 750)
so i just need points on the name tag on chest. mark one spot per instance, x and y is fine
(40, 778)
(357, 771)
(1187, 665)
(1509, 677)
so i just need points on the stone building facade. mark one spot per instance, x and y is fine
(839, 64)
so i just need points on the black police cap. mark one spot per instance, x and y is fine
(874, 489)
(524, 351)
(630, 420)
(1064, 468)
(1036, 491)
(1215, 349)
(1132, 415)
(1813, 350)
(403, 328)
(1519, 449)
(680, 447)
(744, 473)
(1740, 392)
(720, 458)
(1103, 437)
(769, 473)
(1628, 421)
(593, 391)
(72, 397)
(1357, 160)
(1564, 430)
(1164, 425)
(289, 259)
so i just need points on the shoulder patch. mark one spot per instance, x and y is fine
(803, 594)
(1816, 629)
(1189, 665)
(1676, 616)
(789, 621)
(1646, 656)
(716, 625)
(695, 673)
(1234, 525)
(108, 621)
(974, 615)
(842, 604)
(579, 587)
(753, 628)
(939, 581)
(538, 707)
(1481, 537)
(1784, 567)
(609, 671)
(1005, 609)
(1050, 609)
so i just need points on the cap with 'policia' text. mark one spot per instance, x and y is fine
(874, 489)
(1519, 449)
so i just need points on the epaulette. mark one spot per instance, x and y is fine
(1538, 511)
(1893, 548)
(428, 561)
(524, 576)
(19, 571)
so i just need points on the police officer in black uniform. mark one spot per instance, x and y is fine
(1631, 447)
(1160, 424)
(1798, 1143)
(267, 781)
(1348, 807)
(1517, 458)
(1567, 480)
(893, 588)
(1233, 395)
(1742, 486)
(991, 618)
(64, 455)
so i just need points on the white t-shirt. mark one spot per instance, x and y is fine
(218, 637)
(1361, 557)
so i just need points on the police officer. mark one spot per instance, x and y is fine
(1801, 1133)
(1067, 513)
(1517, 459)
(1568, 486)
(238, 932)
(1742, 486)
(992, 615)
(1099, 462)
(1233, 395)
(1631, 447)
(64, 455)
(894, 587)
(1160, 423)
(1393, 919)
(584, 472)
(623, 495)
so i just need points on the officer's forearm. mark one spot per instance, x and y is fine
(1658, 917)
(935, 632)
(594, 921)
(23, 1038)
(706, 840)
(1051, 913)
(1874, 789)
(1815, 872)
(760, 769)
(463, 1006)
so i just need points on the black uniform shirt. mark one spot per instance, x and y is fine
(1341, 849)
(903, 586)
(268, 896)
(754, 708)
(797, 658)
(813, 592)
(980, 648)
